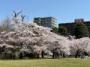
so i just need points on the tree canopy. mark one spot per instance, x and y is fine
(81, 30)
(63, 30)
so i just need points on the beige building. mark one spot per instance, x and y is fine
(46, 21)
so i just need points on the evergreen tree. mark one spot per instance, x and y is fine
(62, 31)
(81, 30)
(55, 30)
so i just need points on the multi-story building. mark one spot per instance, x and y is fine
(46, 21)
(70, 26)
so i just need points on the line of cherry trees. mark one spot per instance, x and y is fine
(32, 41)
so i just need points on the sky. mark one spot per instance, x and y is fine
(63, 10)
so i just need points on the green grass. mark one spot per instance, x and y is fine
(46, 63)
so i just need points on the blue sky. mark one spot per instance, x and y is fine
(63, 10)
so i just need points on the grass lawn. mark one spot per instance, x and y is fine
(46, 63)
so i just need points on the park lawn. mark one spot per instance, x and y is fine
(68, 62)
